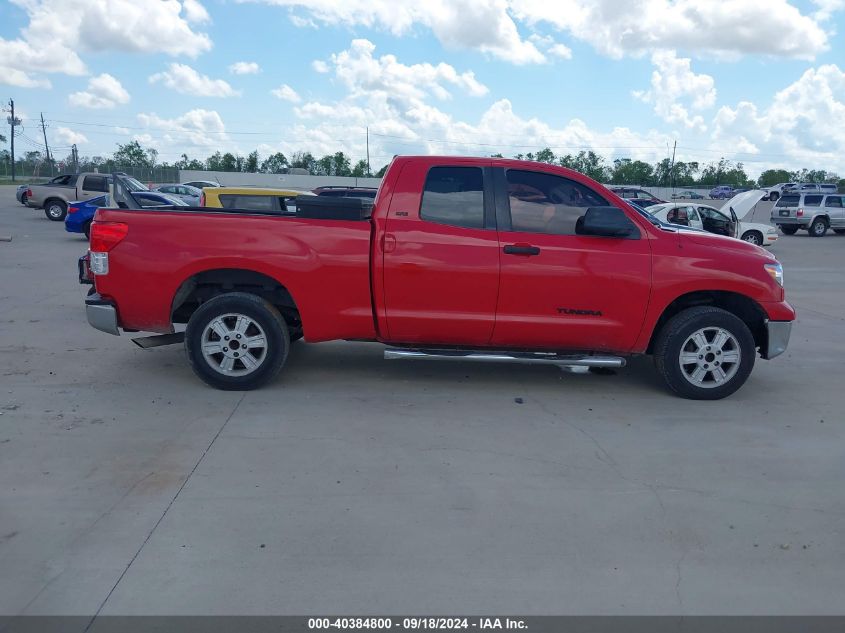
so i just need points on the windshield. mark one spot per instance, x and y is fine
(788, 201)
(133, 185)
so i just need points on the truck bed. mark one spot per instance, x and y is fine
(323, 264)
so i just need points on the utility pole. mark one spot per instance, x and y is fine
(369, 173)
(13, 121)
(672, 167)
(46, 146)
(75, 157)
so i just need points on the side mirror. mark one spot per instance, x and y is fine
(606, 222)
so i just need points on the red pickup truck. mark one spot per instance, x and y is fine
(475, 259)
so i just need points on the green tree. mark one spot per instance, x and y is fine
(774, 176)
(274, 164)
(304, 160)
(381, 172)
(131, 154)
(360, 169)
(337, 164)
(545, 155)
(685, 173)
(251, 164)
(152, 154)
(214, 162)
(591, 165)
(631, 172)
(229, 162)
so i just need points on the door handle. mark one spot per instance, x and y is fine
(521, 249)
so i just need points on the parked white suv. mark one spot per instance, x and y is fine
(813, 212)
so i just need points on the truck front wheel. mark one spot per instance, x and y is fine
(704, 353)
(237, 341)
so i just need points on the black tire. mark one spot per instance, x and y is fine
(839, 231)
(788, 230)
(23, 199)
(818, 228)
(753, 237)
(263, 317)
(674, 339)
(295, 333)
(55, 210)
(774, 196)
(86, 228)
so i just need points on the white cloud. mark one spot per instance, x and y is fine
(195, 12)
(826, 8)
(197, 128)
(365, 75)
(799, 123)
(58, 30)
(66, 136)
(552, 48)
(103, 92)
(560, 50)
(396, 102)
(184, 79)
(673, 83)
(615, 28)
(244, 68)
(483, 25)
(15, 77)
(618, 28)
(320, 66)
(286, 93)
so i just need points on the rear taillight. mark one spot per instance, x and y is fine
(202, 199)
(104, 237)
(800, 213)
(29, 193)
(72, 209)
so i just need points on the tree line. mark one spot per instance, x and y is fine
(621, 171)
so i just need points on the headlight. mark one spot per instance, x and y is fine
(776, 271)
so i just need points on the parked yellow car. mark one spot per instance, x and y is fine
(252, 198)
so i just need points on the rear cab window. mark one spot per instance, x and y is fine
(788, 201)
(454, 196)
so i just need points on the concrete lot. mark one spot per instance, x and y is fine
(356, 485)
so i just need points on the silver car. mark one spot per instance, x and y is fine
(813, 212)
(189, 194)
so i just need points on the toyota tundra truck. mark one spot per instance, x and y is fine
(462, 259)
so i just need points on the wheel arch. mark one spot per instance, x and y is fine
(742, 306)
(207, 284)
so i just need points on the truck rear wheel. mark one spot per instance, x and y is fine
(704, 353)
(237, 341)
(55, 210)
(788, 230)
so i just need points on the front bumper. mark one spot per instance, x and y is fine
(777, 338)
(102, 315)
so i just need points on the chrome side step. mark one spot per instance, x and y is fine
(528, 358)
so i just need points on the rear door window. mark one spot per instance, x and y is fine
(249, 202)
(95, 183)
(812, 201)
(454, 196)
(788, 201)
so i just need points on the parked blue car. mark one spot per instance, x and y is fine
(80, 214)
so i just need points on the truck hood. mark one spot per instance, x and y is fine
(743, 203)
(721, 242)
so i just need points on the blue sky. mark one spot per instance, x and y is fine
(761, 81)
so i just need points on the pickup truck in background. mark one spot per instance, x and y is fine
(55, 195)
(474, 259)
